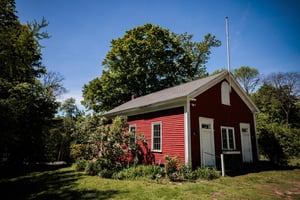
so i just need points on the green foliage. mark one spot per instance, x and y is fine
(69, 108)
(247, 77)
(80, 151)
(107, 143)
(147, 59)
(277, 142)
(173, 165)
(207, 173)
(81, 165)
(140, 171)
(278, 122)
(93, 167)
(27, 106)
(188, 172)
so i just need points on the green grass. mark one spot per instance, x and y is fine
(65, 183)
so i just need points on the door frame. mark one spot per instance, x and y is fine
(205, 120)
(246, 125)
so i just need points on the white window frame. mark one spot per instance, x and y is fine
(152, 137)
(227, 138)
(225, 93)
(129, 140)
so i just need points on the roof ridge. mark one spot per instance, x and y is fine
(165, 95)
(182, 84)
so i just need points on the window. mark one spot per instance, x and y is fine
(205, 126)
(245, 130)
(225, 93)
(132, 130)
(156, 137)
(228, 140)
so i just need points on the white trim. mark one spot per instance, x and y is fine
(187, 132)
(227, 138)
(152, 124)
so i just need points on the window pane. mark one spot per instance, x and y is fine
(244, 130)
(224, 138)
(231, 139)
(132, 129)
(206, 126)
(156, 140)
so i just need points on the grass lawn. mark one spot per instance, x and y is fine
(65, 183)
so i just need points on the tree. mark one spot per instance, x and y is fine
(147, 59)
(52, 81)
(69, 108)
(27, 108)
(60, 135)
(247, 77)
(287, 90)
(278, 122)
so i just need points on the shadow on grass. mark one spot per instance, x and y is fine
(50, 184)
(260, 166)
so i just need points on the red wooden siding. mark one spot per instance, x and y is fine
(209, 105)
(172, 131)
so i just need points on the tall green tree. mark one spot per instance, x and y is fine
(146, 59)
(287, 92)
(247, 77)
(278, 122)
(26, 106)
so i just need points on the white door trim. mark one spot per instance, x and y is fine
(245, 129)
(208, 125)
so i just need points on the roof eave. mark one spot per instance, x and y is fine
(164, 105)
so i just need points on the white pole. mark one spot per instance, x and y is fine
(222, 164)
(228, 51)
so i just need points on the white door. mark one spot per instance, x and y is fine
(246, 142)
(207, 142)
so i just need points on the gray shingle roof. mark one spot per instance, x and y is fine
(168, 94)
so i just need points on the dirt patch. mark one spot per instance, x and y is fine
(215, 195)
(291, 192)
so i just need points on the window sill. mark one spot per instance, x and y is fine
(231, 152)
(156, 151)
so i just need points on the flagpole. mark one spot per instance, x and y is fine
(228, 52)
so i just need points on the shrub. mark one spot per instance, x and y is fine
(173, 167)
(93, 167)
(140, 171)
(206, 173)
(80, 165)
(105, 173)
(188, 172)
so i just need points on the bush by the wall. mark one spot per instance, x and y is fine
(140, 171)
(207, 173)
(80, 165)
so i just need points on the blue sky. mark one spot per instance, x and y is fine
(264, 34)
